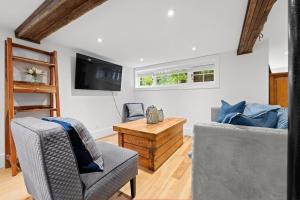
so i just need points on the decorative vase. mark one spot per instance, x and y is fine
(33, 79)
(160, 115)
(152, 115)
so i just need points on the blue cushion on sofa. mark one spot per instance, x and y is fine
(226, 109)
(282, 121)
(266, 119)
(252, 109)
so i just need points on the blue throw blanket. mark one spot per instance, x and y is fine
(254, 115)
(84, 159)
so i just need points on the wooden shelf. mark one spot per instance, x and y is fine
(27, 87)
(31, 49)
(34, 108)
(32, 61)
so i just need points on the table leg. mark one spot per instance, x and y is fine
(121, 139)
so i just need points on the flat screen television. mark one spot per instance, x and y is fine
(95, 74)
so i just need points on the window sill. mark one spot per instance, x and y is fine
(180, 87)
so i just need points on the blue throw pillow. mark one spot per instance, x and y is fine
(226, 109)
(267, 119)
(253, 109)
(282, 115)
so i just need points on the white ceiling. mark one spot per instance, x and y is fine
(14, 12)
(135, 29)
(276, 31)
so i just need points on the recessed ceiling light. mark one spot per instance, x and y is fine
(142, 59)
(286, 53)
(194, 48)
(99, 40)
(171, 13)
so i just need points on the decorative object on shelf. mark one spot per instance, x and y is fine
(34, 75)
(152, 115)
(161, 115)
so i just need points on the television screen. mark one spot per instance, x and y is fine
(95, 74)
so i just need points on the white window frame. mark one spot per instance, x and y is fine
(191, 65)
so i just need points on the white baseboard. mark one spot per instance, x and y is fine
(102, 132)
(188, 131)
(2, 160)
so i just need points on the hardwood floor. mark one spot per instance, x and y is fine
(171, 181)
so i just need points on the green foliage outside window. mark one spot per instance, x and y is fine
(176, 78)
(146, 81)
(172, 78)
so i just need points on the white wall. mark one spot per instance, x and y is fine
(241, 78)
(95, 109)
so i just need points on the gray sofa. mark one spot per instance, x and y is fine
(50, 170)
(238, 162)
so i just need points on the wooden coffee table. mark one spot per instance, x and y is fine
(155, 143)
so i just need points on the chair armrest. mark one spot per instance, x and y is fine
(47, 160)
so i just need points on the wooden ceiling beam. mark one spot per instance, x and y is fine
(52, 15)
(255, 18)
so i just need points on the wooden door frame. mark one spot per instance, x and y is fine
(273, 86)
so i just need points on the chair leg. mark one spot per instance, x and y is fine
(133, 187)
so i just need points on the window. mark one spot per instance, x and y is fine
(173, 78)
(203, 76)
(146, 81)
(180, 76)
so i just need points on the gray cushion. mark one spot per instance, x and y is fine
(86, 138)
(120, 166)
(135, 118)
(135, 109)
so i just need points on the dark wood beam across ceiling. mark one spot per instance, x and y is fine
(255, 18)
(52, 15)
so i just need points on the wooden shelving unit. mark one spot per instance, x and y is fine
(13, 86)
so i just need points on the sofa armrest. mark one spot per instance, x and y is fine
(47, 160)
(239, 162)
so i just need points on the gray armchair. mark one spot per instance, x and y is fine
(126, 113)
(50, 170)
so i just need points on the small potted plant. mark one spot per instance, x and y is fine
(34, 75)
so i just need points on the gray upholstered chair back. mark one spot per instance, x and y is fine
(214, 113)
(47, 160)
(125, 113)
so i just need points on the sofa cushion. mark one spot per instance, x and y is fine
(113, 157)
(282, 115)
(267, 119)
(226, 109)
(252, 109)
(120, 166)
(135, 109)
(87, 140)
